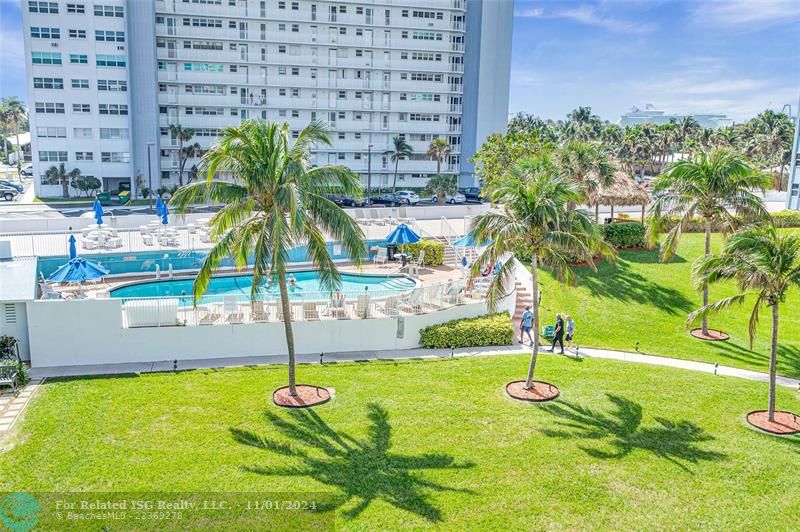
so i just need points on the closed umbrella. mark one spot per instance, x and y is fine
(159, 206)
(98, 211)
(73, 252)
(164, 214)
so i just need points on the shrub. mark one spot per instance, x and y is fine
(624, 235)
(787, 218)
(434, 251)
(495, 329)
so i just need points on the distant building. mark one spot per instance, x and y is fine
(651, 115)
(25, 147)
(793, 197)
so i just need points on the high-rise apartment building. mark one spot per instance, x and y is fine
(107, 78)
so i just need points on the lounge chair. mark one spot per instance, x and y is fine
(257, 312)
(411, 303)
(233, 313)
(310, 312)
(358, 214)
(404, 218)
(363, 307)
(390, 306)
(147, 239)
(454, 294)
(382, 256)
(376, 218)
(209, 317)
(48, 292)
(432, 296)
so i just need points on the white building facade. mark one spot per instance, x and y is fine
(106, 79)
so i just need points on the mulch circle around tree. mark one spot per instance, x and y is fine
(307, 396)
(713, 335)
(785, 422)
(538, 393)
(594, 262)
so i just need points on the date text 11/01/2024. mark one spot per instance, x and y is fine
(133, 504)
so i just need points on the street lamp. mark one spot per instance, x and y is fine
(369, 174)
(150, 176)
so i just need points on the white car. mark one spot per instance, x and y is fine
(27, 171)
(458, 197)
(8, 193)
(406, 197)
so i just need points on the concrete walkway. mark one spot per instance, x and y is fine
(12, 406)
(167, 365)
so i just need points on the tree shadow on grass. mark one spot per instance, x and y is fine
(619, 281)
(648, 256)
(622, 430)
(362, 469)
(788, 357)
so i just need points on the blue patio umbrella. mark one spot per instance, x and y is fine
(402, 235)
(468, 241)
(78, 270)
(98, 211)
(159, 206)
(73, 252)
(164, 214)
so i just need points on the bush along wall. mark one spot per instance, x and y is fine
(494, 329)
(624, 235)
(781, 218)
(434, 251)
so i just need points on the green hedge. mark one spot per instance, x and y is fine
(787, 218)
(698, 225)
(434, 251)
(623, 235)
(495, 329)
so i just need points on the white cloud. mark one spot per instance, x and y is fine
(588, 15)
(12, 54)
(746, 14)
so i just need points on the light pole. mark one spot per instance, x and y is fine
(150, 176)
(369, 175)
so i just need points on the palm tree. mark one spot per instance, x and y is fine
(189, 152)
(440, 185)
(709, 185)
(686, 128)
(401, 151)
(182, 134)
(588, 166)
(763, 263)
(773, 140)
(276, 202)
(15, 113)
(535, 218)
(439, 149)
(5, 127)
(59, 174)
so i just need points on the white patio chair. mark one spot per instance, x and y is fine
(363, 307)
(404, 218)
(233, 313)
(382, 256)
(376, 218)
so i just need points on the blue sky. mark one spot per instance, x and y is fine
(733, 56)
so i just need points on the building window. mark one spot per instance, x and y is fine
(53, 156)
(281, 70)
(78, 59)
(45, 58)
(108, 11)
(76, 8)
(295, 71)
(295, 28)
(43, 7)
(82, 132)
(113, 109)
(45, 33)
(84, 156)
(203, 67)
(77, 34)
(48, 83)
(51, 132)
(110, 60)
(281, 48)
(114, 133)
(81, 108)
(295, 114)
(49, 108)
(115, 156)
(109, 36)
(112, 85)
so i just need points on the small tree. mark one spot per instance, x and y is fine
(58, 174)
(401, 151)
(440, 185)
(439, 149)
(765, 264)
(182, 134)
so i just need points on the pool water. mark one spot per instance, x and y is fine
(146, 261)
(307, 283)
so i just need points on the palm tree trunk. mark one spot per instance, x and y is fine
(535, 295)
(438, 166)
(780, 179)
(65, 185)
(597, 212)
(394, 182)
(180, 160)
(704, 325)
(287, 326)
(773, 357)
(19, 152)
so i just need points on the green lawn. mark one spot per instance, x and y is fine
(430, 444)
(639, 299)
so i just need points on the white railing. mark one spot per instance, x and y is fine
(305, 306)
(448, 231)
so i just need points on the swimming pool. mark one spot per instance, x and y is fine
(144, 262)
(307, 285)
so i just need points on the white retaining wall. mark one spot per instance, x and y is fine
(88, 332)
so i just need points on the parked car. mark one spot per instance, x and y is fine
(8, 193)
(472, 193)
(385, 199)
(5, 183)
(406, 197)
(455, 198)
(27, 171)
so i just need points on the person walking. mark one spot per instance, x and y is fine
(558, 334)
(525, 324)
(570, 330)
